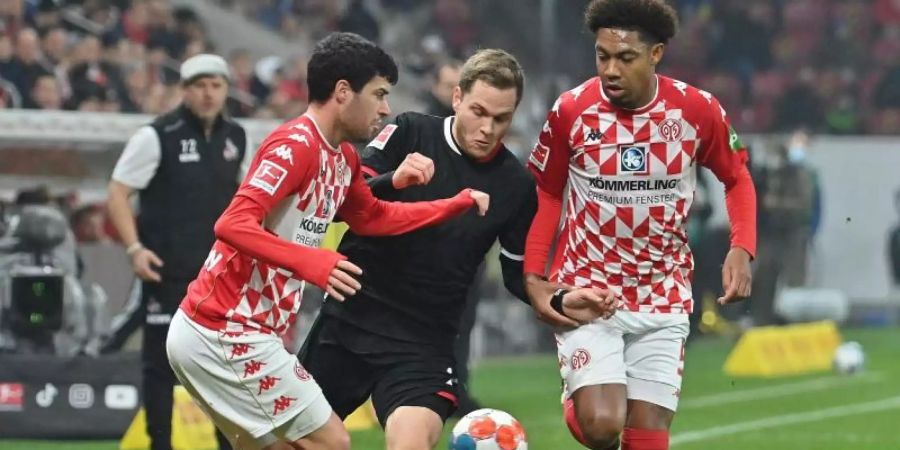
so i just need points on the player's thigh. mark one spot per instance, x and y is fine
(346, 378)
(427, 382)
(591, 355)
(654, 358)
(413, 427)
(319, 428)
(249, 383)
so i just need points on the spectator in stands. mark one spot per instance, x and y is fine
(28, 64)
(136, 86)
(358, 19)
(54, 43)
(12, 17)
(47, 15)
(887, 94)
(92, 73)
(438, 100)
(46, 94)
(800, 106)
(456, 20)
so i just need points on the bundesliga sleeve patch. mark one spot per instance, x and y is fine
(382, 138)
(268, 177)
(734, 141)
(539, 156)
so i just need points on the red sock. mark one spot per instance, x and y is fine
(638, 439)
(572, 422)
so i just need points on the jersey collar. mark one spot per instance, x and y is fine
(448, 135)
(635, 110)
(451, 141)
(321, 135)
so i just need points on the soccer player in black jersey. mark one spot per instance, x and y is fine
(394, 338)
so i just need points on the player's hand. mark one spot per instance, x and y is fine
(341, 281)
(482, 201)
(539, 293)
(416, 169)
(143, 261)
(736, 276)
(589, 304)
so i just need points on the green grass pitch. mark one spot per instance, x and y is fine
(816, 412)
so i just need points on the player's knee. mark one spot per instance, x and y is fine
(410, 441)
(600, 429)
(342, 442)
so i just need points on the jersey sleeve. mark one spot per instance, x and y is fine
(512, 243)
(138, 163)
(549, 162)
(549, 159)
(368, 216)
(283, 166)
(722, 152)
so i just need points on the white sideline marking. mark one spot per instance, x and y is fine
(816, 384)
(785, 420)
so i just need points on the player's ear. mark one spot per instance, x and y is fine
(656, 52)
(343, 92)
(457, 97)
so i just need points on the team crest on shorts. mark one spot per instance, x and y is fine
(301, 372)
(580, 358)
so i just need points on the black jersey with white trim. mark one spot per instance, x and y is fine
(415, 285)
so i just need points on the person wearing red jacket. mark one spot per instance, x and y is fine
(224, 343)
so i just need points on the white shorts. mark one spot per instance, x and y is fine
(643, 351)
(250, 386)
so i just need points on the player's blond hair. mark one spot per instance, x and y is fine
(498, 68)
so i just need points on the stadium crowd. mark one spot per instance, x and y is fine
(826, 65)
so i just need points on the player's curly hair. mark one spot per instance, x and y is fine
(655, 20)
(346, 56)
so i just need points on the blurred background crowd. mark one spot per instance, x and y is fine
(827, 65)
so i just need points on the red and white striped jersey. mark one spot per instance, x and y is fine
(631, 176)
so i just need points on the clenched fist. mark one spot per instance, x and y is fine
(416, 169)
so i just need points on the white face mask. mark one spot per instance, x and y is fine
(796, 154)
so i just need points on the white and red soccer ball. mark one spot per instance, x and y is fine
(488, 429)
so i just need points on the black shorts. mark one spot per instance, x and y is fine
(351, 364)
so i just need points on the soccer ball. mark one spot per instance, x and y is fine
(849, 358)
(488, 429)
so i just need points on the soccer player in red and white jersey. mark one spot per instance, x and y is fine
(621, 151)
(224, 344)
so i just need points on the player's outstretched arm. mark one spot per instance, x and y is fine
(240, 227)
(369, 216)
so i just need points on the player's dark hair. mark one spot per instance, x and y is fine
(655, 20)
(346, 56)
(495, 67)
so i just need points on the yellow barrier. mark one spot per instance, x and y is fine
(191, 429)
(784, 350)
